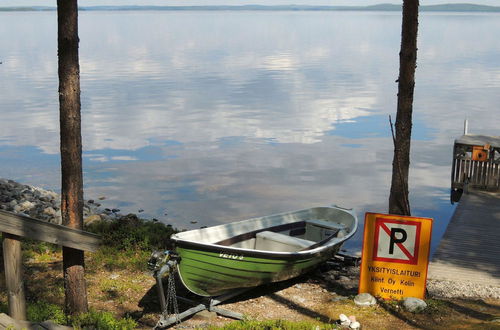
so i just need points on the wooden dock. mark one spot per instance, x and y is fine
(470, 248)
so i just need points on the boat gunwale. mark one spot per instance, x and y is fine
(297, 255)
(212, 247)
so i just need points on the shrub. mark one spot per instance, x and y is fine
(42, 311)
(101, 321)
(130, 232)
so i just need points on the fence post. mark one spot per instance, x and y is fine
(12, 258)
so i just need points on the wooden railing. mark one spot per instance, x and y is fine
(477, 174)
(476, 163)
(13, 228)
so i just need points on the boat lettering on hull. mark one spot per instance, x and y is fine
(230, 256)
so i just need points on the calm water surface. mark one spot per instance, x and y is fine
(220, 116)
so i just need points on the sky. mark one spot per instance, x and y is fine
(5, 3)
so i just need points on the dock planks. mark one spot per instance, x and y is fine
(470, 248)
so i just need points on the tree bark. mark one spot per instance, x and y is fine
(71, 151)
(398, 199)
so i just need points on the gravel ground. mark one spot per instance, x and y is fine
(455, 289)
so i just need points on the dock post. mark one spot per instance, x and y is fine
(14, 275)
(466, 127)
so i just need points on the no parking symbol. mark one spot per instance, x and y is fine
(396, 241)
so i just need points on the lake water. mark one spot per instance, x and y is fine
(221, 116)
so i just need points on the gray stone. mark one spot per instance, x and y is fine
(338, 298)
(355, 325)
(300, 300)
(344, 320)
(343, 278)
(205, 315)
(49, 325)
(365, 299)
(414, 305)
(57, 220)
(91, 219)
(49, 211)
(27, 205)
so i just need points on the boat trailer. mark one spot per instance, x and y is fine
(165, 263)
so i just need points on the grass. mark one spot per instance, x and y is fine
(101, 321)
(275, 325)
(111, 259)
(42, 311)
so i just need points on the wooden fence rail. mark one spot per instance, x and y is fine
(14, 227)
(481, 170)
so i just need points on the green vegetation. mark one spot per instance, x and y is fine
(132, 233)
(127, 242)
(39, 251)
(275, 325)
(101, 321)
(42, 311)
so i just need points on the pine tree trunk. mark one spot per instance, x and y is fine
(71, 151)
(398, 199)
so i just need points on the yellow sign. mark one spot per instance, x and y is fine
(395, 256)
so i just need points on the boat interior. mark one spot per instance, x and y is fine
(302, 235)
(288, 232)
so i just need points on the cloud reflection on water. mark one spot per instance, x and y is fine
(222, 116)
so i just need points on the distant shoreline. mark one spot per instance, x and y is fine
(465, 7)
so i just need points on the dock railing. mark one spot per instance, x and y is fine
(14, 227)
(476, 163)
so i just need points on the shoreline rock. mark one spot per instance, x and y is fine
(41, 204)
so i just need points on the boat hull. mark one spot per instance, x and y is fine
(216, 272)
(220, 259)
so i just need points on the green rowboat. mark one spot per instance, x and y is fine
(216, 260)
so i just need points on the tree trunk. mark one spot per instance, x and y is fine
(398, 199)
(71, 151)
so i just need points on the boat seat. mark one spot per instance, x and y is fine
(325, 224)
(271, 241)
(318, 230)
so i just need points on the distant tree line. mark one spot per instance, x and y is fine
(381, 7)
